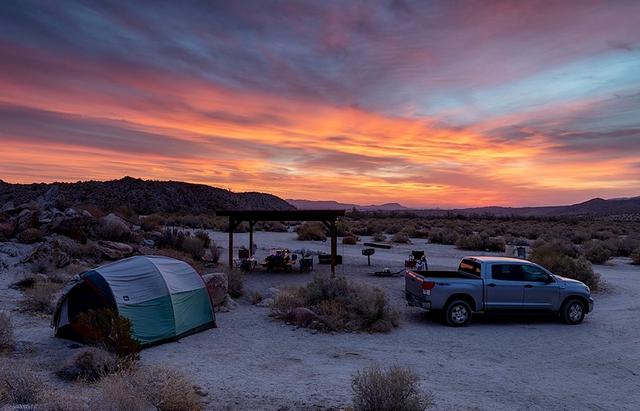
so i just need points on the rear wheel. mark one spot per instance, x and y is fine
(573, 312)
(458, 313)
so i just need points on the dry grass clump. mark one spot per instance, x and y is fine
(339, 305)
(443, 236)
(106, 329)
(312, 232)
(157, 388)
(552, 257)
(235, 279)
(392, 389)
(256, 297)
(7, 341)
(90, 364)
(379, 237)
(19, 385)
(40, 297)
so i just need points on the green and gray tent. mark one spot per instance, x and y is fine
(164, 298)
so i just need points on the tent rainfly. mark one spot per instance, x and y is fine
(163, 298)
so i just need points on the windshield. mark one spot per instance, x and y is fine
(470, 267)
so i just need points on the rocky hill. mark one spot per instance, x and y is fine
(334, 205)
(142, 196)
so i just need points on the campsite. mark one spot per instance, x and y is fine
(252, 361)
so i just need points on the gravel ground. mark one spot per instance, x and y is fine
(500, 362)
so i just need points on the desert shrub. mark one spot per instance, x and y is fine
(393, 389)
(30, 236)
(339, 304)
(168, 389)
(286, 301)
(212, 254)
(256, 297)
(171, 237)
(106, 329)
(40, 298)
(350, 240)
(561, 264)
(635, 256)
(19, 385)
(442, 236)
(193, 246)
(312, 232)
(157, 388)
(204, 236)
(58, 400)
(7, 340)
(401, 237)
(235, 280)
(153, 222)
(25, 280)
(379, 237)
(89, 365)
(480, 243)
(596, 251)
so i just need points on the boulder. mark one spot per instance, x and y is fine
(217, 286)
(302, 316)
(113, 250)
(27, 219)
(7, 228)
(7, 207)
(30, 236)
(116, 226)
(48, 254)
(71, 224)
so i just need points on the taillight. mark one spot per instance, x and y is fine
(427, 285)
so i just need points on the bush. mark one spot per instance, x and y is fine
(563, 265)
(141, 389)
(204, 237)
(440, 236)
(635, 256)
(477, 242)
(40, 298)
(339, 304)
(7, 341)
(256, 297)
(235, 280)
(106, 329)
(19, 385)
(89, 365)
(392, 389)
(153, 222)
(596, 251)
(401, 237)
(30, 236)
(379, 237)
(194, 246)
(350, 240)
(312, 232)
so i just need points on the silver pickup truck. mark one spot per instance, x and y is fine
(497, 283)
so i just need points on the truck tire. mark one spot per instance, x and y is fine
(458, 313)
(572, 311)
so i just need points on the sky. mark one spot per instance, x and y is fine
(426, 103)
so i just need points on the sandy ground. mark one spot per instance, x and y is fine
(254, 362)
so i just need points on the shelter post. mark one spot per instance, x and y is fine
(251, 223)
(334, 247)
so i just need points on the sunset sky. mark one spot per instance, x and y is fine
(424, 103)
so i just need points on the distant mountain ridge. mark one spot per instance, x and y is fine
(596, 207)
(334, 205)
(143, 196)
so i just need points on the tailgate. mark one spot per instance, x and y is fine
(413, 283)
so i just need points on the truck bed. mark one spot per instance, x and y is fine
(445, 274)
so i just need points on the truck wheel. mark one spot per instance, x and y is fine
(458, 313)
(572, 312)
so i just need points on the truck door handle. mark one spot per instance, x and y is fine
(491, 285)
(528, 286)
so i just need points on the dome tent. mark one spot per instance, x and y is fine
(164, 298)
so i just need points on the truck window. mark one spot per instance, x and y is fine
(470, 267)
(533, 273)
(507, 272)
